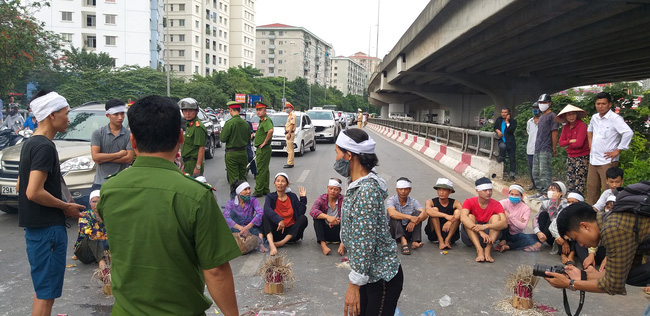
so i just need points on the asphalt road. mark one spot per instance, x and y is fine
(474, 288)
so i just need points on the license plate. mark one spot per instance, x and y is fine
(9, 190)
(276, 143)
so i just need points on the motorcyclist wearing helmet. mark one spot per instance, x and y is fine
(193, 149)
(14, 120)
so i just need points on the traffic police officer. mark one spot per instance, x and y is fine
(262, 143)
(236, 135)
(193, 149)
(290, 133)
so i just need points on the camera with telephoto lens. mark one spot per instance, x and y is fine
(540, 269)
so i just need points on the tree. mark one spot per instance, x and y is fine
(82, 60)
(24, 43)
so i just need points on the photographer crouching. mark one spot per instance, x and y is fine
(622, 233)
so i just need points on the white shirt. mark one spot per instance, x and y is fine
(531, 129)
(600, 205)
(610, 132)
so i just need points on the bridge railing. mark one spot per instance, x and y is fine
(480, 143)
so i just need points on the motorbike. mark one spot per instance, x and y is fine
(9, 138)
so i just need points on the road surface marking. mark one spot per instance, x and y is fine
(303, 175)
(250, 265)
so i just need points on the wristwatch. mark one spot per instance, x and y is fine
(198, 167)
(571, 286)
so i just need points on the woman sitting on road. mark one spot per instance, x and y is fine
(244, 213)
(91, 245)
(284, 214)
(376, 276)
(548, 212)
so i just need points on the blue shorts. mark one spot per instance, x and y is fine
(46, 251)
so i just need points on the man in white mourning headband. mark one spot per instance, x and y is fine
(483, 218)
(406, 217)
(110, 145)
(326, 213)
(41, 210)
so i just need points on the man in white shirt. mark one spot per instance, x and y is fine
(608, 135)
(531, 130)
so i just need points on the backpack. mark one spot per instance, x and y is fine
(634, 198)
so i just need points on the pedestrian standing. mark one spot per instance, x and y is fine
(110, 145)
(169, 239)
(545, 145)
(193, 149)
(290, 133)
(608, 135)
(376, 276)
(236, 135)
(531, 129)
(504, 127)
(359, 118)
(262, 141)
(574, 138)
(41, 210)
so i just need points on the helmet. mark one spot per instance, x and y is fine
(188, 104)
(544, 98)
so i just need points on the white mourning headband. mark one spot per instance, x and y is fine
(47, 104)
(116, 109)
(484, 186)
(333, 183)
(576, 196)
(364, 147)
(403, 184)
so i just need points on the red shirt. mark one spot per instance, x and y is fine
(579, 133)
(285, 210)
(482, 215)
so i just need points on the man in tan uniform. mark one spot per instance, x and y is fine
(359, 119)
(290, 133)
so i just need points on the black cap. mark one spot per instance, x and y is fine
(483, 180)
(544, 98)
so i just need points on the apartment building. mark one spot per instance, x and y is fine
(368, 63)
(242, 33)
(291, 52)
(348, 76)
(130, 32)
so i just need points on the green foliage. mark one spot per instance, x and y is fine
(24, 43)
(636, 171)
(78, 60)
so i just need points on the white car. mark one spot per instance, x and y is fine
(304, 133)
(327, 127)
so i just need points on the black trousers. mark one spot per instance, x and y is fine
(431, 233)
(89, 251)
(296, 230)
(398, 230)
(544, 221)
(325, 233)
(583, 252)
(380, 298)
(511, 155)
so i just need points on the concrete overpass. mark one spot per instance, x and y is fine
(463, 55)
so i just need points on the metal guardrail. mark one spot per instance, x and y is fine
(480, 143)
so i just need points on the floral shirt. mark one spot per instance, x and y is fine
(364, 231)
(90, 226)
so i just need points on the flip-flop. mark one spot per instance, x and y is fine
(406, 250)
(570, 263)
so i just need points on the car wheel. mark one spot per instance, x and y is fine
(217, 141)
(8, 209)
(313, 145)
(209, 150)
(302, 149)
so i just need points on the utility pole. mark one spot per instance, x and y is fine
(167, 51)
(377, 48)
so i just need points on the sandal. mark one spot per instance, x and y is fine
(406, 250)
(570, 263)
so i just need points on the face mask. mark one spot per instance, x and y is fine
(543, 107)
(550, 194)
(342, 166)
(245, 198)
(287, 110)
(536, 112)
(514, 199)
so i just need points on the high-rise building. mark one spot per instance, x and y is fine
(291, 52)
(348, 76)
(131, 33)
(367, 62)
(205, 36)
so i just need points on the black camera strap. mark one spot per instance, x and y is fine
(567, 308)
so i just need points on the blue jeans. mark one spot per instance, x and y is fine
(542, 170)
(46, 251)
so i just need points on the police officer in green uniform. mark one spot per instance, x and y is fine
(262, 143)
(193, 149)
(168, 231)
(236, 135)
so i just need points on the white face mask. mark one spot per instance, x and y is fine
(550, 194)
(544, 106)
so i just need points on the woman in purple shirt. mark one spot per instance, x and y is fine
(244, 213)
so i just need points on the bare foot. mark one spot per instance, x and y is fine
(488, 258)
(448, 244)
(341, 249)
(74, 258)
(326, 250)
(480, 255)
(442, 245)
(262, 248)
(504, 248)
(416, 245)
(280, 243)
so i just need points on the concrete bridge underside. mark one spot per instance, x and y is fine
(464, 55)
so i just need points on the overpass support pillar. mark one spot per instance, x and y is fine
(463, 108)
(384, 112)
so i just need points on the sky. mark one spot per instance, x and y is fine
(345, 24)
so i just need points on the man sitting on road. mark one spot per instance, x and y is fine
(326, 212)
(406, 216)
(483, 220)
(444, 215)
